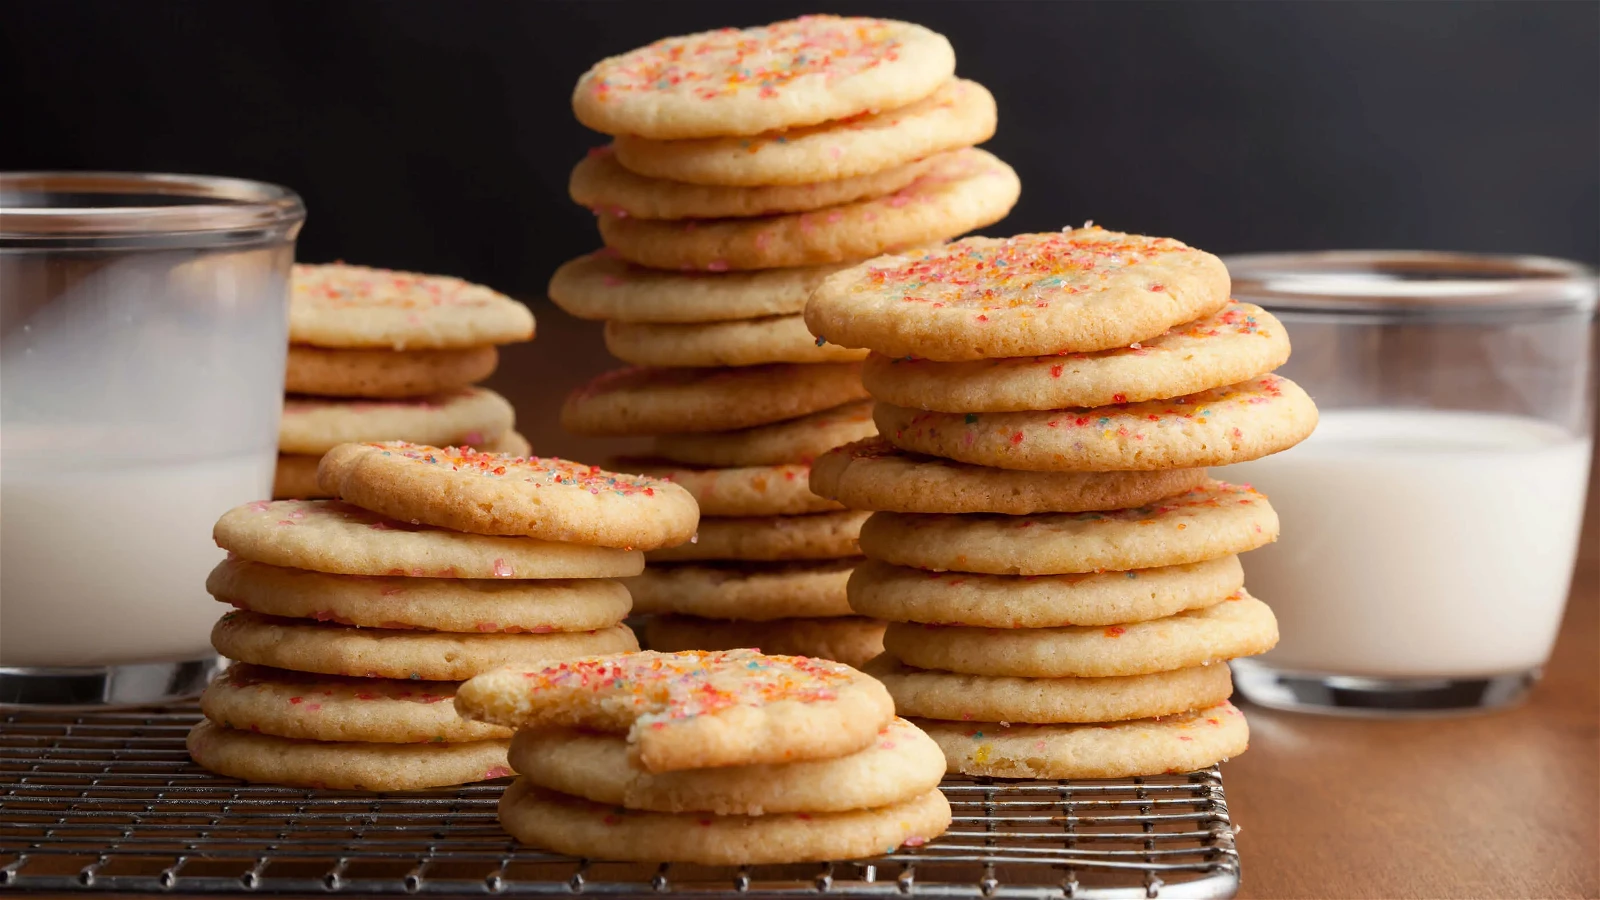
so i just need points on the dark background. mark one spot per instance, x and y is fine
(438, 135)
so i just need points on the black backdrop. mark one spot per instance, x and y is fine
(438, 136)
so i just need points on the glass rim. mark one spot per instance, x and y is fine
(1413, 283)
(201, 203)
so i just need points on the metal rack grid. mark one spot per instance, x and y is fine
(109, 801)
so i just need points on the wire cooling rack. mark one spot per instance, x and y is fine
(108, 801)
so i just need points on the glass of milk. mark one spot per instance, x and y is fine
(1430, 524)
(143, 333)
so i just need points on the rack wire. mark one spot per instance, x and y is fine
(109, 801)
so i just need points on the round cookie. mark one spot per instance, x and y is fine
(926, 693)
(1030, 295)
(582, 828)
(1218, 427)
(344, 765)
(664, 401)
(874, 474)
(1238, 626)
(795, 440)
(1236, 344)
(745, 81)
(902, 594)
(961, 191)
(752, 592)
(603, 185)
(296, 475)
(1205, 523)
(780, 490)
(603, 286)
(489, 493)
(693, 710)
(1166, 745)
(348, 307)
(432, 604)
(959, 114)
(901, 764)
(334, 708)
(330, 649)
(330, 536)
(385, 374)
(469, 416)
(741, 342)
(827, 535)
(851, 640)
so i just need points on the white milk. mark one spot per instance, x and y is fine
(108, 566)
(1419, 543)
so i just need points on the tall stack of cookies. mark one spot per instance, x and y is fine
(716, 758)
(1059, 570)
(357, 618)
(748, 165)
(378, 355)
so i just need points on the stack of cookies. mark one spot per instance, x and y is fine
(376, 355)
(1046, 541)
(746, 167)
(358, 617)
(724, 758)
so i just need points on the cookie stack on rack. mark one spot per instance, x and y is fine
(747, 166)
(1046, 542)
(358, 617)
(377, 355)
(722, 758)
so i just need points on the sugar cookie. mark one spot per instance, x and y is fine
(791, 441)
(827, 535)
(665, 401)
(470, 416)
(1226, 425)
(851, 640)
(961, 191)
(344, 765)
(330, 536)
(603, 286)
(747, 591)
(874, 474)
(296, 475)
(386, 374)
(745, 81)
(1203, 524)
(742, 342)
(342, 306)
(1029, 295)
(902, 594)
(779, 490)
(693, 710)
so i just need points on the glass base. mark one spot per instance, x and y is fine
(1352, 695)
(140, 684)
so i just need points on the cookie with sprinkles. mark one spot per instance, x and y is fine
(469, 605)
(296, 475)
(779, 490)
(341, 306)
(386, 374)
(1078, 290)
(874, 474)
(1206, 523)
(471, 416)
(932, 694)
(960, 191)
(752, 592)
(601, 183)
(328, 648)
(797, 440)
(643, 401)
(741, 342)
(1218, 427)
(693, 710)
(495, 494)
(900, 764)
(336, 537)
(825, 535)
(1183, 742)
(851, 640)
(335, 708)
(1239, 626)
(344, 765)
(1237, 344)
(905, 594)
(959, 114)
(577, 827)
(604, 286)
(746, 81)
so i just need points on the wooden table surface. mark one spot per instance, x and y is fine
(1498, 805)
